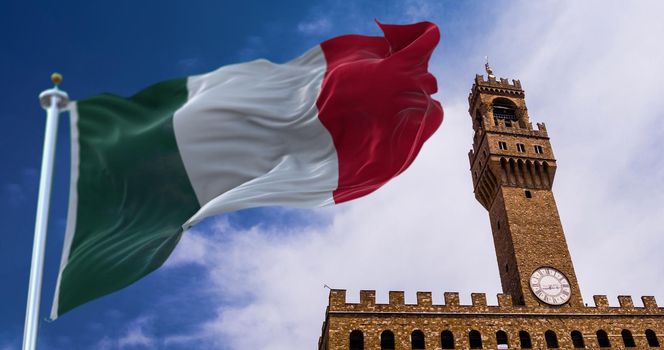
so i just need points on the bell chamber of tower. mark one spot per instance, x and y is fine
(513, 168)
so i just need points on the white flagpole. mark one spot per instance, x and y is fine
(53, 100)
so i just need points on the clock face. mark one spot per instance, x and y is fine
(550, 286)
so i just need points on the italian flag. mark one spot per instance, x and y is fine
(332, 125)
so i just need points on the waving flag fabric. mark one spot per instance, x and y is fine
(329, 126)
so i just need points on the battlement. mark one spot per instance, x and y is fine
(504, 305)
(496, 86)
(492, 81)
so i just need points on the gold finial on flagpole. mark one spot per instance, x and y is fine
(56, 78)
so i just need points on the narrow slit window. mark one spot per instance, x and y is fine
(603, 339)
(652, 338)
(528, 194)
(447, 340)
(475, 339)
(417, 340)
(356, 340)
(628, 339)
(524, 339)
(551, 339)
(387, 340)
(501, 338)
(577, 340)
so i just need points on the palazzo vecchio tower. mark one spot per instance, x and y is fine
(513, 168)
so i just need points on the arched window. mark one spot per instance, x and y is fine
(524, 339)
(551, 339)
(475, 339)
(628, 340)
(652, 338)
(417, 339)
(501, 337)
(387, 340)
(446, 340)
(577, 340)
(603, 339)
(504, 109)
(356, 340)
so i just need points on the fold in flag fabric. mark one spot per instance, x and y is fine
(332, 125)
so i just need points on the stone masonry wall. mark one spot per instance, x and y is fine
(402, 319)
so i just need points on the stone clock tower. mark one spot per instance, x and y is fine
(513, 168)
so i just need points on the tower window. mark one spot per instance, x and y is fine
(603, 339)
(524, 339)
(520, 147)
(652, 338)
(447, 340)
(528, 194)
(551, 339)
(502, 145)
(577, 340)
(417, 340)
(628, 339)
(475, 339)
(356, 340)
(539, 149)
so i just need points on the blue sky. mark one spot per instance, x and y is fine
(253, 279)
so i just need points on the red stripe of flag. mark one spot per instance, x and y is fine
(376, 103)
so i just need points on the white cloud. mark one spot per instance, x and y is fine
(420, 10)
(591, 72)
(136, 336)
(317, 26)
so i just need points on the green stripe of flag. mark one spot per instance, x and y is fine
(133, 193)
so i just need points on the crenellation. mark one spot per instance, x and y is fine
(396, 298)
(479, 304)
(625, 301)
(601, 301)
(478, 299)
(504, 300)
(368, 298)
(451, 298)
(337, 298)
(424, 299)
(541, 126)
(649, 302)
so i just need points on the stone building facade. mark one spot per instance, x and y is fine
(513, 168)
